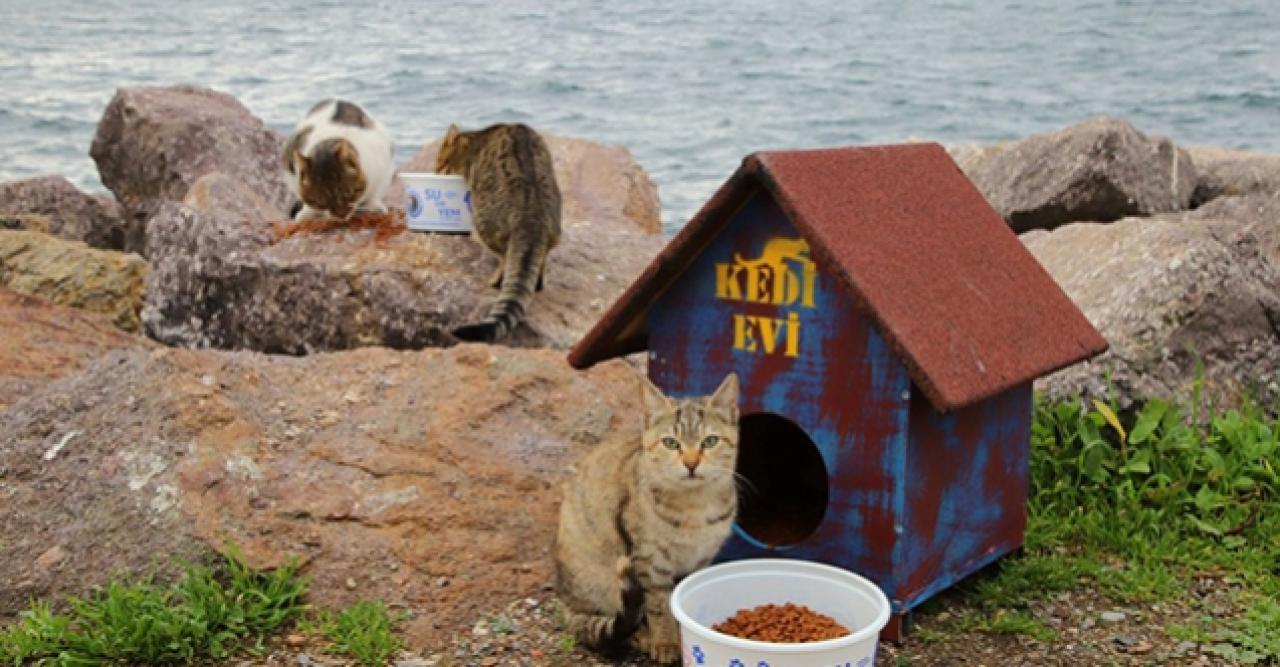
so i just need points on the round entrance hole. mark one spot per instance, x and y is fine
(783, 494)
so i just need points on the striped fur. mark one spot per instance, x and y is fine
(639, 516)
(517, 213)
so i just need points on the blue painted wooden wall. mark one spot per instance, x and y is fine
(916, 499)
(965, 503)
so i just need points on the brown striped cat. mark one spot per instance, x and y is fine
(639, 515)
(516, 213)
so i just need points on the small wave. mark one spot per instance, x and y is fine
(247, 80)
(1246, 99)
(510, 115)
(57, 124)
(562, 87)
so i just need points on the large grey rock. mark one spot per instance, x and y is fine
(153, 143)
(71, 214)
(1168, 292)
(218, 280)
(1100, 170)
(972, 158)
(1260, 210)
(1229, 172)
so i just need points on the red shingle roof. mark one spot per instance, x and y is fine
(966, 307)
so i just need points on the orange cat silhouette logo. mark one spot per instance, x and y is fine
(772, 278)
(782, 276)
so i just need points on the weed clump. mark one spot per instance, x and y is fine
(363, 631)
(202, 615)
(1141, 502)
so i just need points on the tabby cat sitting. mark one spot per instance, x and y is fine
(639, 515)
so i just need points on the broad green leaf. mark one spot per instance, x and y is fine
(1139, 463)
(1207, 499)
(1206, 526)
(1147, 422)
(1093, 462)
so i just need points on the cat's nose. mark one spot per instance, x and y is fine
(692, 465)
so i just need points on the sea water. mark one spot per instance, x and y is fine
(690, 87)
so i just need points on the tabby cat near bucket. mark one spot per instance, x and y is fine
(638, 516)
(516, 213)
(339, 161)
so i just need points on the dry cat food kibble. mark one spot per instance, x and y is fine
(786, 624)
(385, 225)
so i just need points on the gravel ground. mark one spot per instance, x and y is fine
(1089, 630)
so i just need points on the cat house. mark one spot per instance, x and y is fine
(886, 326)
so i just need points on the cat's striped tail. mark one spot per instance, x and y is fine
(610, 634)
(521, 275)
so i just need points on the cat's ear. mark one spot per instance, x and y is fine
(347, 156)
(448, 149)
(655, 402)
(300, 161)
(451, 138)
(725, 398)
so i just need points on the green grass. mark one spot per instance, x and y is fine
(202, 615)
(1258, 635)
(362, 631)
(1015, 623)
(1137, 503)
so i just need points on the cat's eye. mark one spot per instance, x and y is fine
(670, 443)
(710, 441)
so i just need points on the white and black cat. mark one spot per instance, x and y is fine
(339, 161)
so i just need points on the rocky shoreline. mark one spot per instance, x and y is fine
(304, 399)
(1171, 253)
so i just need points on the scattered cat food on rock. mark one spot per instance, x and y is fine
(385, 225)
(784, 624)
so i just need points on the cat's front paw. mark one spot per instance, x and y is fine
(308, 213)
(665, 653)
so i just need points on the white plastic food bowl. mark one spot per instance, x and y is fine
(712, 595)
(437, 202)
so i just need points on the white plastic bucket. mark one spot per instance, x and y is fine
(716, 593)
(436, 202)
